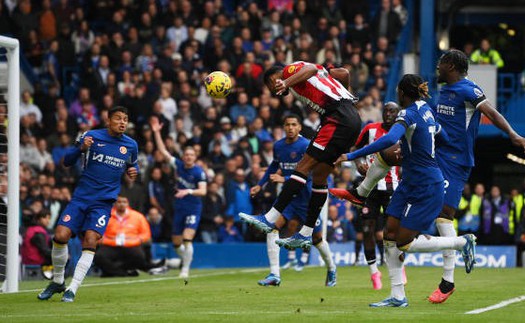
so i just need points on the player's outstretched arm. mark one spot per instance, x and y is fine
(342, 75)
(156, 127)
(392, 137)
(307, 71)
(499, 121)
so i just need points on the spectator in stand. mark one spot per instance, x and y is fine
(228, 232)
(335, 230)
(36, 244)
(212, 212)
(83, 38)
(29, 152)
(157, 191)
(28, 107)
(134, 191)
(44, 159)
(242, 107)
(35, 50)
(486, 55)
(125, 246)
(84, 97)
(238, 196)
(358, 73)
(495, 222)
(402, 12)
(386, 23)
(469, 221)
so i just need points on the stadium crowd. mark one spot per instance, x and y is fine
(151, 56)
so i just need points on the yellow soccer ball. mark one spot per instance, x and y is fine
(218, 84)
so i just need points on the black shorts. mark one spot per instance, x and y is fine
(376, 202)
(338, 132)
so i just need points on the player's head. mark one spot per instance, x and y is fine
(271, 75)
(390, 110)
(411, 88)
(189, 156)
(292, 126)
(121, 204)
(118, 120)
(451, 62)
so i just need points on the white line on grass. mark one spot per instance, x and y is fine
(496, 306)
(136, 281)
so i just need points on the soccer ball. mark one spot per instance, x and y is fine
(218, 84)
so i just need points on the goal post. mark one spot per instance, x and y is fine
(11, 246)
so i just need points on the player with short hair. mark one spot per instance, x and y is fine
(372, 214)
(340, 125)
(106, 155)
(418, 198)
(287, 152)
(190, 188)
(459, 109)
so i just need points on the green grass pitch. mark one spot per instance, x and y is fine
(232, 295)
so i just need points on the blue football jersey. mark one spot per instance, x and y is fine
(457, 113)
(418, 145)
(188, 178)
(104, 163)
(288, 155)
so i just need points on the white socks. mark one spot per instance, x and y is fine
(373, 268)
(326, 254)
(425, 243)
(304, 256)
(375, 173)
(272, 215)
(446, 229)
(291, 255)
(180, 251)
(187, 257)
(395, 269)
(59, 255)
(306, 231)
(273, 252)
(81, 270)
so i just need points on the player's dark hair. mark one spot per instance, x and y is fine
(116, 109)
(292, 116)
(456, 58)
(413, 86)
(271, 71)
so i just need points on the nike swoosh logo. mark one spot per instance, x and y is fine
(101, 145)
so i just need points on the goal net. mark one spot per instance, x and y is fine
(9, 163)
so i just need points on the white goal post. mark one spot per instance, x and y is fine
(12, 262)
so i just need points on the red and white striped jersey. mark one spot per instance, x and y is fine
(370, 133)
(320, 90)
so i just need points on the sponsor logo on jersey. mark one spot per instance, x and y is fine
(123, 150)
(66, 218)
(446, 110)
(291, 69)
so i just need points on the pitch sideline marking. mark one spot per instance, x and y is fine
(125, 282)
(497, 306)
